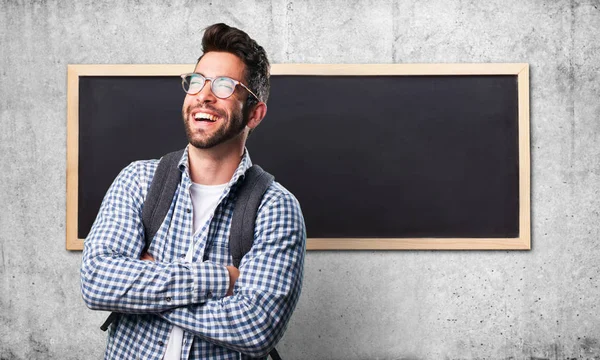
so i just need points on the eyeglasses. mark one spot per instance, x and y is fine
(222, 86)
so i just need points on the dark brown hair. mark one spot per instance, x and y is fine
(221, 37)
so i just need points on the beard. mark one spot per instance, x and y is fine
(229, 128)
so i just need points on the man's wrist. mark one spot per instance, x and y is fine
(211, 281)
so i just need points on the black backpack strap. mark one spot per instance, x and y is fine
(156, 206)
(160, 196)
(109, 320)
(241, 235)
(274, 355)
(249, 196)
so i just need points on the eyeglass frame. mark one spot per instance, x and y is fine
(236, 82)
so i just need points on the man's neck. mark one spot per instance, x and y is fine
(214, 166)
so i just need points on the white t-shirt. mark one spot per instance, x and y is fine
(205, 199)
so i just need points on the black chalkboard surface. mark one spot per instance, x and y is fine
(378, 159)
(123, 119)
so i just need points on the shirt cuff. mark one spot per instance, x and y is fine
(211, 282)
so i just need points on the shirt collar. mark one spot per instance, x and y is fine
(244, 165)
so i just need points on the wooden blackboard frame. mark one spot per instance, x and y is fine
(521, 70)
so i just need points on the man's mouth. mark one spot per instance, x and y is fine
(202, 116)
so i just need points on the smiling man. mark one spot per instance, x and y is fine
(183, 298)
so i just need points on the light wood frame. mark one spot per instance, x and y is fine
(523, 242)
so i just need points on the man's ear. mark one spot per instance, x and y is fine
(257, 114)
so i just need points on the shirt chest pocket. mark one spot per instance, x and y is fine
(217, 249)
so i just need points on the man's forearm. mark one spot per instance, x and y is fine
(122, 284)
(241, 322)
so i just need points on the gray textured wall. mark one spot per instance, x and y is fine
(541, 303)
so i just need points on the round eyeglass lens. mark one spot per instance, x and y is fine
(193, 84)
(223, 87)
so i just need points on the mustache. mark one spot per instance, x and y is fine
(190, 109)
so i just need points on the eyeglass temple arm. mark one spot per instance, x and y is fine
(250, 91)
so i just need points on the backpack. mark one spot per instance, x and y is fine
(241, 236)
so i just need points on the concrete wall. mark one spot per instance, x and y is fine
(537, 304)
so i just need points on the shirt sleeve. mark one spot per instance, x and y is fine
(112, 276)
(253, 320)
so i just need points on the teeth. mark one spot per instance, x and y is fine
(201, 115)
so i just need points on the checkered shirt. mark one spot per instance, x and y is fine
(154, 296)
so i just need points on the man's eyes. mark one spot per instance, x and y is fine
(223, 83)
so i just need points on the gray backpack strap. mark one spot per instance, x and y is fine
(249, 196)
(157, 204)
(160, 196)
(241, 234)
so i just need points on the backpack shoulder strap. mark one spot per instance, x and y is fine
(241, 235)
(159, 198)
(249, 196)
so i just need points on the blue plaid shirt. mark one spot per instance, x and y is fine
(154, 296)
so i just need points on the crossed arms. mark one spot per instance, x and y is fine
(193, 296)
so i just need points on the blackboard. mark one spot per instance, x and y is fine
(380, 157)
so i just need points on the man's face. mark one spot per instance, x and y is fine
(208, 120)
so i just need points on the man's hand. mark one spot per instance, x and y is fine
(234, 273)
(146, 256)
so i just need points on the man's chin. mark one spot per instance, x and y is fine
(202, 140)
(209, 143)
(202, 144)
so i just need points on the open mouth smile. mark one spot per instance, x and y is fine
(202, 116)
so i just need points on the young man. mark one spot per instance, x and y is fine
(182, 299)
